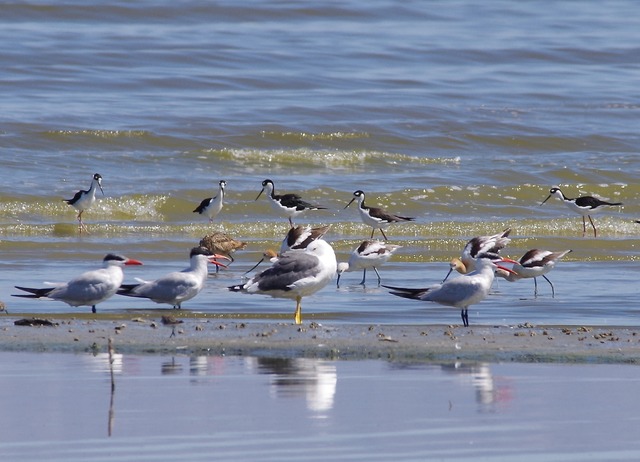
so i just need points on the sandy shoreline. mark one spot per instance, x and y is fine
(201, 334)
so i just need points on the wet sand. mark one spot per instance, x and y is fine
(144, 333)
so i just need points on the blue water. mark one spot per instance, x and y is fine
(460, 113)
(60, 407)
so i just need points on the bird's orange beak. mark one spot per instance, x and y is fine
(214, 259)
(507, 260)
(131, 261)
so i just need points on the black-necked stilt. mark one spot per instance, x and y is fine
(295, 274)
(534, 263)
(460, 292)
(585, 206)
(369, 254)
(375, 217)
(479, 246)
(89, 288)
(82, 200)
(211, 206)
(289, 205)
(222, 243)
(177, 287)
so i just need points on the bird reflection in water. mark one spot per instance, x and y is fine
(293, 377)
(491, 392)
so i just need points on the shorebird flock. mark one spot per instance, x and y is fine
(306, 262)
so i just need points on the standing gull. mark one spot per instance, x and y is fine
(297, 238)
(82, 200)
(375, 217)
(534, 263)
(369, 254)
(460, 292)
(211, 206)
(177, 287)
(295, 274)
(89, 288)
(289, 205)
(585, 206)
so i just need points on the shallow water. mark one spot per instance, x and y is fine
(60, 407)
(461, 116)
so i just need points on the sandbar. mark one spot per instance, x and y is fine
(197, 333)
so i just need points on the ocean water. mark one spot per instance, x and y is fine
(461, 114)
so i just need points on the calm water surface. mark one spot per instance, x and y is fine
(457, 113)
(59, 407)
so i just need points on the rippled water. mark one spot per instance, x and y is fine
(279, 409)
(460, 114)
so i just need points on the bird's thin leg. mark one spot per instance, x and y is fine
(383, 235)
(364, 276)
(377, 274)
(464, 314)
(173, 331)
(298, 314)
(373, 230)
(93, 309)
(584, 226)
(81, 225)
(535, 287)
(553, 291)
(595, 233)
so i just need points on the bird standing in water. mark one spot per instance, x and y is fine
(222, 243)
(82, 200)
(534, 263)
(289, 205)
(585, 206)
(479, 246)
(177, 287)
(375, 217)
(211, 206)
(369, 254)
